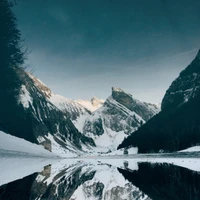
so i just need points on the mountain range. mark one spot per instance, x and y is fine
(177, 126)
(73, 127)
(76, 127)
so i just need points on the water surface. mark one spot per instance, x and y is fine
(106, 180)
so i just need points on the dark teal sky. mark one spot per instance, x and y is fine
(81, 48)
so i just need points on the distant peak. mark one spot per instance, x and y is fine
(117, 89)
(95, 101)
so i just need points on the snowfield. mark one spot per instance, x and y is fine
(20, 158)
(191, 149)
(11, 144)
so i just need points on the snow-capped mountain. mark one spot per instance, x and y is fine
(93, 104)
(71, 108)
(71, 127)
(185, 87)
(177, 126)
(46, 124)
(106, 122)
(145, 110)
(119, 116)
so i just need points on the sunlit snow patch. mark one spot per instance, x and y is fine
(191, 149)
(25, 97)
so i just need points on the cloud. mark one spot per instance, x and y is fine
(184, 53)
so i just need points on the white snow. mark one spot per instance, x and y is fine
(65, 104)
(40, 139)
(191, 149)
(92, 105)
(25, 97)
(80, 122)
(117, 89)
(11, 143)
(131, 151)
(71, 151)
(110, 139)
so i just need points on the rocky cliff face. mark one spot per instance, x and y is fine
(119, 116)
(70, 126)
(145, 110)
(72, 108)
(185, 87)
(47, 124)
(106, 122)
(177, 126)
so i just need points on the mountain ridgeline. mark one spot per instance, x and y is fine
(104, 122)
(30, 110)
(177, 126)
(72, 127)
(119, 116)
(40, 121)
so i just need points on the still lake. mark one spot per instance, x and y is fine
(105, 179)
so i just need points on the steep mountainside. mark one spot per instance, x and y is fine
(69, 126)
(42, 122)
(93, 104)
(185, 87)
(119, 116)
(70, 107)
(143, 109)
(177, 126)
(106, 122)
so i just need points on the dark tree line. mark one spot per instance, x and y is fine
(12, 56)
(170, 130)
(11, 62)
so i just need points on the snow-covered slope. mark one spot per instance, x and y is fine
(185, 87)
(106, 122)
(143, 109)
(70, 107)
(191, 149)
(119, 116)
(11, 144)
(45, 122)
(93, 104)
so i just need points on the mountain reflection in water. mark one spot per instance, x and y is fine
(105, 180)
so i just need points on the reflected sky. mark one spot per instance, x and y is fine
(121, 179)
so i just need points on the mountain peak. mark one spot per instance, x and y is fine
(116, 89)
(198, 55)
(95, 101)
(185, 87)
(116, 92)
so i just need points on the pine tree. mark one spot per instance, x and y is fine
(11, 55)
(11, 61)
